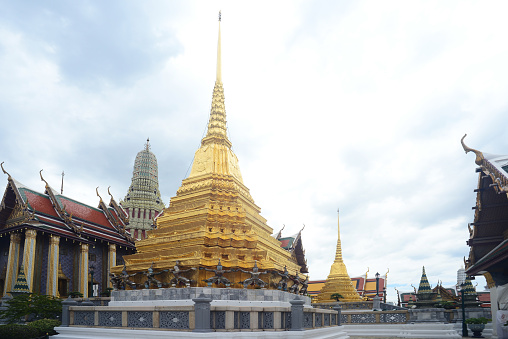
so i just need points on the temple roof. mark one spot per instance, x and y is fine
(23, 207)
(487, 234)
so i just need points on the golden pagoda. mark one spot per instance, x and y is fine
(213, 216)
(338, 280)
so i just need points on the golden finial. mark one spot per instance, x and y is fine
(387, 271)
(302, 228)
(219, 15)
(5, 172)
(479, 155)
(368, 269)
(97, 191)
(147, 145)
(40, 173)
(111, 195)
(219, 66)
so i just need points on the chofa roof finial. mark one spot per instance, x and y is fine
(2, 165)
(40, 173)
(97, 191)
(479, 155)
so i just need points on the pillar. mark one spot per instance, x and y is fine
(83, 270)
(111, 261)
(29, 256)
(12, 263)
(297, 314)
(202, 313)
(52, 272)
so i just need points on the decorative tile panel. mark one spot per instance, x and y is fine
(267, 320)
(85, 318)
(139, 319)
(363, 318)
(220, 320)
(174, 319)
(393, 318)
(244, 320)
(110, 318)
(343, 319)
(287, 320)
(318, 320)
(326, 318)
(307, 320)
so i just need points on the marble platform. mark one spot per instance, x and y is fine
(219, 296)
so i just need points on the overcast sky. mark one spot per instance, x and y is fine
(357, 105)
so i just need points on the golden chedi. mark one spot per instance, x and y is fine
(338, 280)
(213, 217)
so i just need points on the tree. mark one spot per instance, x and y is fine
(32, 305)
(336, 296)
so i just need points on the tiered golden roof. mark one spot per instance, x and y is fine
(338, 280)
(213, 215)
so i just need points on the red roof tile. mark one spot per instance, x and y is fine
(85, 212)
(40, 203)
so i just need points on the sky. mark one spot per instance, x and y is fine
(351, 105)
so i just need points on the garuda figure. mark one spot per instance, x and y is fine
(177, 275)
(305, 285)
(254, 277)
(119, 282)
(150, 277)
(296, 282)
(283, 283)
(219, 277)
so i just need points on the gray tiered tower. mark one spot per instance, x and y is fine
(143, 200)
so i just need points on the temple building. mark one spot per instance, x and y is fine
(59, 244)
(488, 233)
(338, 280)
(143, 201)
(213, 219)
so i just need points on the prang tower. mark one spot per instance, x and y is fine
(213, 216)
(143, 200)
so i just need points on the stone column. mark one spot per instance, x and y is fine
(65, 310)
(83, 270)
(111, 261)
(297, 314)
(53, 259)
(29, 256)
(202, 313)
(12, 263)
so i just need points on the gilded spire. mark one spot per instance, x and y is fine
(217, 130)
(219, 73)
(338, 251)
(338, 280)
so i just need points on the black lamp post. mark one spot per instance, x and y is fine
(92, 269)
(377, 284)
(464, 326)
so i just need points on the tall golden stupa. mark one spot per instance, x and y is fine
(338, 280)
(213, 216)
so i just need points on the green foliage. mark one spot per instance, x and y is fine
(107, 292)
(16, 331)
(336, 296)
(32, 305)
(76, 294)
(45, 326)
(481, 320)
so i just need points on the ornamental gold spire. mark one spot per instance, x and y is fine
(217, 129)
(338, 280)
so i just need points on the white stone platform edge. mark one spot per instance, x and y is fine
(334, 332)
(189, 302)
(427, 331)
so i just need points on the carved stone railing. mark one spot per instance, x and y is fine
(183, 318)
